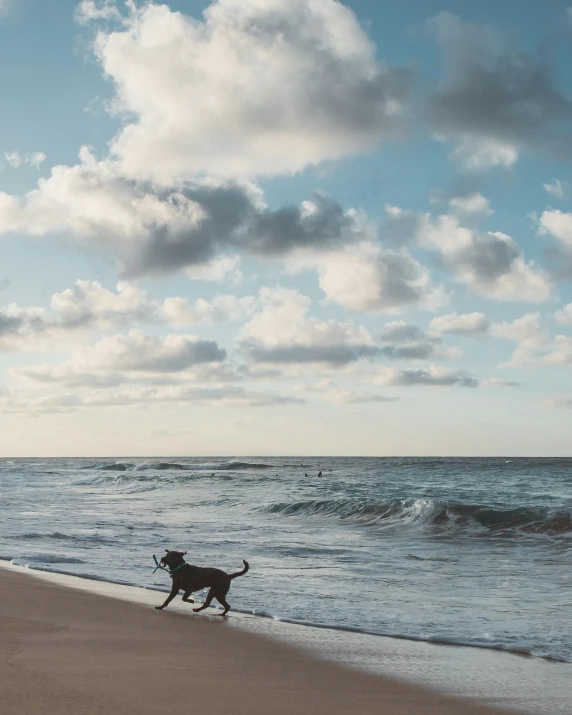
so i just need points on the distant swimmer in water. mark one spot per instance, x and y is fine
(319, 474)
(305, 474)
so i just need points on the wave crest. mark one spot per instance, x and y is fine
(430, 515)
(176, 466)
(59, 536)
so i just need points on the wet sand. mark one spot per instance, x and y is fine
(65, 651)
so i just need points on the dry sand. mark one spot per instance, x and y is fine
(65, 651)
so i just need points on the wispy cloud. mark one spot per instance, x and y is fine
(560, 189)
(33, 159)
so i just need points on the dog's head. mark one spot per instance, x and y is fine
(172, 559)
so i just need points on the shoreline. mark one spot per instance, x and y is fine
(410, 666)
(518, 651)
(73, 650)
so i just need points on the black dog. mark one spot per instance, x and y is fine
(189, 578)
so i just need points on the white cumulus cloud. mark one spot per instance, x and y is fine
(527, 331)
(179, 312)
(133, 352)
(365, 277)
(254, 88)
(470, 324)
(226, 268)
(489, 262)
(283, 333)
(558, 224)
(431, 376)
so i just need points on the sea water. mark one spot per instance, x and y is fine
(467, 551)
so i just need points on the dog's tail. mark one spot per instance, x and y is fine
(241, 573)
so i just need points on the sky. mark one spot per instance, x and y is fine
(255, 227)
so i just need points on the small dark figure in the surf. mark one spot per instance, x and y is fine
(305, 474)
(319, 474)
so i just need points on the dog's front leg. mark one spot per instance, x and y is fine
(170, 597)
(186, 598)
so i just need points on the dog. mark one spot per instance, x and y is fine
(190, 578)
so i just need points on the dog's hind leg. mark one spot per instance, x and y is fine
(220, 595)
(186, 598)
(223, 602)
(207, 603)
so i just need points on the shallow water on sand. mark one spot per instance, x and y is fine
(473, 551)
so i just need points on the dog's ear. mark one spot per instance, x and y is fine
(167, 551)
(181, 553)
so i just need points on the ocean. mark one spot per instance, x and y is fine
(449, 550)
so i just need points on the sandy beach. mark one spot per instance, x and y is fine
(69, 651)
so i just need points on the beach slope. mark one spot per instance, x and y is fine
(70, 652)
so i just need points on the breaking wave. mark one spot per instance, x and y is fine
(131, 478)
(176, 466)
(59, 536)
(430, 515)
(245, 465)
